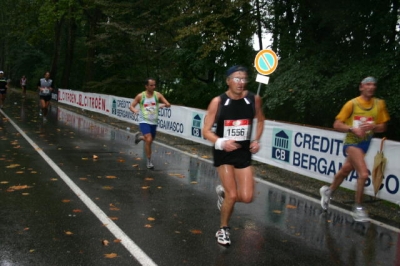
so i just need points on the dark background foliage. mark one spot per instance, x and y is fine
(325, 48)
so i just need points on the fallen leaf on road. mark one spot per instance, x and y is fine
(149, 179)
(68, 233)
(277, 211)
(151, 219)
(147, 225)
(13, 188)
(117, 240)
(291, 206)
(177, 175)
(66, 200)
(108, 187)
(196, 231)
(111, 176)
(12, 166)
(110, 255)
(105, 242)
(113, 208)
(76, 210)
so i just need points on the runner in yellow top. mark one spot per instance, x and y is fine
(360, 117)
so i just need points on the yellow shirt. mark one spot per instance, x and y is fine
(358, 111)
(347, 110)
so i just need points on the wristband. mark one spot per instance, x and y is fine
(219, 144)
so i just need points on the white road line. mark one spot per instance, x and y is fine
(287, 190)
(114, 229)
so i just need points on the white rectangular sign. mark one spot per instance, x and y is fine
(262, 79)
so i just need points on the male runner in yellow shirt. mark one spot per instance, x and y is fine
(360, 117)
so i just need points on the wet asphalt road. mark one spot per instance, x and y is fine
(62, 206)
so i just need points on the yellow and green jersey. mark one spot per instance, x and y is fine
(149, 109)
(358, 111)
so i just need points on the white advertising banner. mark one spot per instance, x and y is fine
(120, 109)
(88, 101)
(318, 153)
(313, 152)
(177, 120)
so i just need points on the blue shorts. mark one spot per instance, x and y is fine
(147, 128)
(364, 146)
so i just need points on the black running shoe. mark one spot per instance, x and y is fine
(138, 137)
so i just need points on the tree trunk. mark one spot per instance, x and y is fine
(91, 44)
(69, 53)
(259, 29)
(56, 52)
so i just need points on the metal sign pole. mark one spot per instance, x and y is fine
(259, 87)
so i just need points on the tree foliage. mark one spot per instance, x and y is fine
(325, 49)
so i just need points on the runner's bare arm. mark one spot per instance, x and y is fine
(379, 128)
(210, 119)
(260, 117)
(255, 144)
(342, 127)
(135, 101)
(162, 99)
